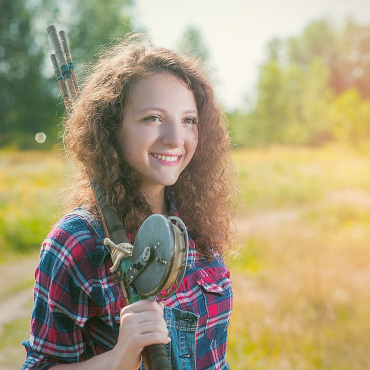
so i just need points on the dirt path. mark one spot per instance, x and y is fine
(15, 289)
(15, 307)
(249, 225)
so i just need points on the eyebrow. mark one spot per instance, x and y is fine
(187, 111)
(191, 111)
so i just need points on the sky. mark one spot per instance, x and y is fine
(236, 32)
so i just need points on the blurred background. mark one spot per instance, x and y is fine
(294, 79)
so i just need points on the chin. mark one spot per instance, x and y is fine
(170, 182)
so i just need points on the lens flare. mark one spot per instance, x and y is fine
(40, 137)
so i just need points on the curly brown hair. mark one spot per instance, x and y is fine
(203, 191)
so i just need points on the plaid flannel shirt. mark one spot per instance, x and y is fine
(77, 301)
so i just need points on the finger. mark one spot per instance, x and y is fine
(143, 306)
(151, 327)
(148, 316)
(147, 339)
(130, 319)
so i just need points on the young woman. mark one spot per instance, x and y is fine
(146, 127)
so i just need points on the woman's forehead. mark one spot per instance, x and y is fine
(161, 89)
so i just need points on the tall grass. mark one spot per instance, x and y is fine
(301, 281)
(283, 177)
(29, 183)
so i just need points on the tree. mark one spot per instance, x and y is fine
(30, 101)
(26, 102)
(316, 97)
(354, 65)
(276, 113)
(240, 129)
(299, 80)
(95, 23)
(345, 52)
(192, 43)
(271, 109)
(350, 117)
(318, 39)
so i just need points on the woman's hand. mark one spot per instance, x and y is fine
(142, 324)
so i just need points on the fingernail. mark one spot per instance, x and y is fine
(169, 340)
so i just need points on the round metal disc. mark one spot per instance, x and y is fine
(157, 233)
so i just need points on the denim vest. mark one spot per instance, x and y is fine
(182, 326)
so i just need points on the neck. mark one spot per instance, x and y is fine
(155, 198)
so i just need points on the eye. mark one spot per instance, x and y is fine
(190, 120)
(153, 118)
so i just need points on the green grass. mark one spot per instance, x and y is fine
(29, 183)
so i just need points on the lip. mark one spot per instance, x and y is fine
(166, 162)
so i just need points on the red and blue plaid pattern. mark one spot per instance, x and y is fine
(77, 301)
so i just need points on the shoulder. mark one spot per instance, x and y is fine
(78, 226)
(74, 243)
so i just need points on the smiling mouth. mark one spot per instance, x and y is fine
(167, 158)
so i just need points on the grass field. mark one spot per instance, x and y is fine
(301, 280)
(301, 283)
(29, 183)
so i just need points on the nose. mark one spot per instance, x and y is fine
(173, 135)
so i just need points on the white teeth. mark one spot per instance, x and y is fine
(166, 158)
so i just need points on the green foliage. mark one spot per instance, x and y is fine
(26, 103)
(192, 43)
(311, 89)
(271, 109)
(239, 126)
(28, 187)
(316, 97)
(292, 105)
(30, 98)
(96, 23)
(350, 117)
(353, 64)
(318, 39)
(345, 51)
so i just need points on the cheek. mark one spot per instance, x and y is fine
(131, 141)
(194, 142)
(191, 149)
(194, 146)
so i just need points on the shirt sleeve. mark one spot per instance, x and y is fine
(62, 295)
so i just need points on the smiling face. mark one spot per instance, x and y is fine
(159, 133)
